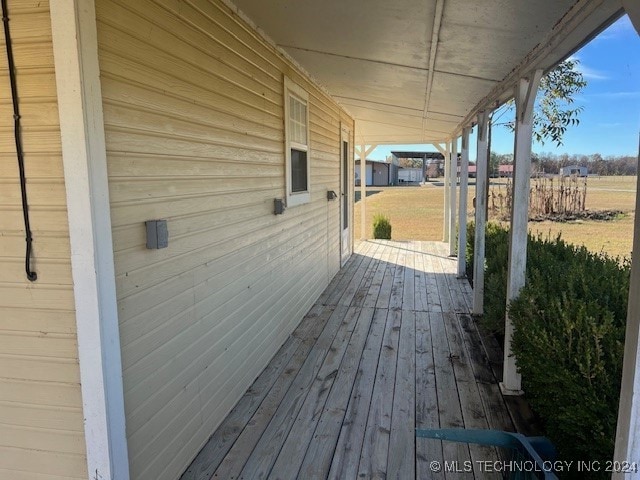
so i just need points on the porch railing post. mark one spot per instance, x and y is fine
(447, 196)
(481, 214)
(453, 183)
(525, 96)
(462, 212)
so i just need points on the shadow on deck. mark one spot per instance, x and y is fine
(388, 347)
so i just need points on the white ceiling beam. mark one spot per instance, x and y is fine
(440, 148)
(433, 52)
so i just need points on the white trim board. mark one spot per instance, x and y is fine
(77, 72)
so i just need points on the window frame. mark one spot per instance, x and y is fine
(294, 90)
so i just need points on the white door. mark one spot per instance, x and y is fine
(346, 162)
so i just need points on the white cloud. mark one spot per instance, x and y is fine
(615, 95)
(588, 72)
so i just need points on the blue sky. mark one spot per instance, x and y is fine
(610, 121)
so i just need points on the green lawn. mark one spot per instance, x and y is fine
(416, 213)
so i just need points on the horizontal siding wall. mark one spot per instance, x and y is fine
(193, 105)
(41, 422)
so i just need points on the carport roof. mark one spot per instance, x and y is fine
(417, 71)
(425, 155)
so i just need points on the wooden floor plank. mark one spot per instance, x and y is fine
(388, 347)
(449, 408)
(376, 282)
(402, 461)
(408, 283)
(338, 279)
(359, 278)
(427, 450)
(384, 297)
(290, 356)
(375, 448)
(290, 457)
(360, 257)
(349, 447)
(420, 293)
(494, 405)
(459, 297)
(317, 461)
(365, 285)
(440, 270)
(433, 296)
(397, 288)
(266, 426)
(472, 408)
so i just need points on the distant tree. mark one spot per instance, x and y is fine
(595, 163)
(410, 162)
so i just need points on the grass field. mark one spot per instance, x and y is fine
(416, 213)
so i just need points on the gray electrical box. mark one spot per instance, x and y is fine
(278, 206)
(157, 234)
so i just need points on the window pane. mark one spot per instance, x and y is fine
(298, 171)
(303, 123)
(297, 121)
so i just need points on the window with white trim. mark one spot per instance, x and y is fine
(296, 127)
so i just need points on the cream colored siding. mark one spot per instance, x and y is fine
(41, 422)
(193, 103)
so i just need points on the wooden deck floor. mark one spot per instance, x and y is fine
(389, 347)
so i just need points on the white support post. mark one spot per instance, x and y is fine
(481, 214)
(462, 212)
(453, 184)
(447, 196)
(627, 445)
(75, 50)
(364, 153)
(525, 98)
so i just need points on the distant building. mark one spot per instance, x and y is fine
(410, 175)
(505, 171)
(472, 171)
(428, 159)
(576, 170)
(379, 173)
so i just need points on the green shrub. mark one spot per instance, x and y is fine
(495, 276)
(569, 324)
(381, 227)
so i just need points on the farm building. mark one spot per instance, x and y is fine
(179, 280)
(430, 164)
(410, 175)
(379, 173)
(505, 171)
(576, 170)
(471, 171)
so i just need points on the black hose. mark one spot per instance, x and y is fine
(31, 275)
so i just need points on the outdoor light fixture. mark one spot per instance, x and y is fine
(157, 234)
(278, 206)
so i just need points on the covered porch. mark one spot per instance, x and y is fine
(390, 346)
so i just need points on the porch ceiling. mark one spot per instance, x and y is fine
(378, 57)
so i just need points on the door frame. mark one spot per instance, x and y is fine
(346, 194)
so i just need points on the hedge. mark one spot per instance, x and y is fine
(569, 324)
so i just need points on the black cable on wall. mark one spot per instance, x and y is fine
(31, 275)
